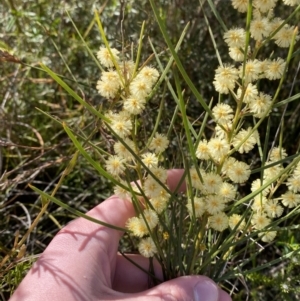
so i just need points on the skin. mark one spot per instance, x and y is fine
(82, 263)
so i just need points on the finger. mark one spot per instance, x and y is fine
(116, 212)
(224, 296)
(132, 277)
(113, 211)
(187, 288)
(174, 178)
(123, 266)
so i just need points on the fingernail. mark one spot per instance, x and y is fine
(206, 291)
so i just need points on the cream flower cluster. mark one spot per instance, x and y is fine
(262, 26)
(120, 83)
(148, 220)
(263, 6)
(214, 190)
(267, 207)
(217, 181)
(129, 89)
(214, 193)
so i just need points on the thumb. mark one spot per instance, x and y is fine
(186, 288)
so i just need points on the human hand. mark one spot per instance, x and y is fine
(82, 264)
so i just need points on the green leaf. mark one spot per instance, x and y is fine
(85, 44)
(177, 60)
(217, 15)
(74, 211)
(95, 164)
(73, 93)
